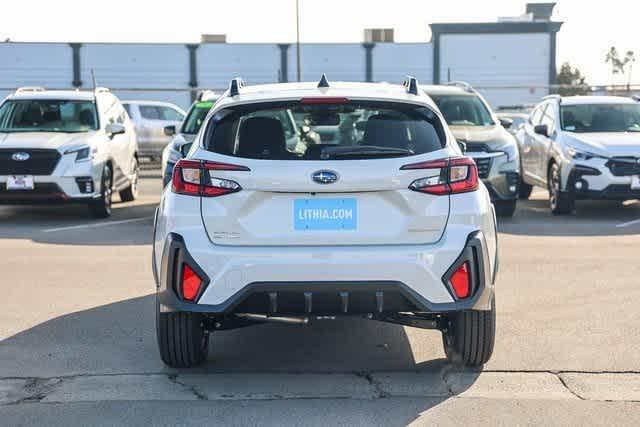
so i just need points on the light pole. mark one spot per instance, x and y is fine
(298, 39)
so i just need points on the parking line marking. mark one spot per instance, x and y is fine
(98, 224)
(626, 224)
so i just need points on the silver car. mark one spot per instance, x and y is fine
(150, 118)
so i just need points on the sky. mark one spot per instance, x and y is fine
(590, 27)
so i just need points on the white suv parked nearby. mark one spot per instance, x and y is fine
(392, 224)
(581, 147)
(66, 146)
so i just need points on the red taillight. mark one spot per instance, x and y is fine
(459, 175)
(193, 178)
(191, 283)
(320, 100)
(461, 281)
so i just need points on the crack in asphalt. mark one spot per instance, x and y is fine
(566, 386)
(192, 388)
(36, 389)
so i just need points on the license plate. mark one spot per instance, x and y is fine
(635, 182)
(325, 214)
(20, 182)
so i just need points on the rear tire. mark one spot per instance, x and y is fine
(130, 193)
(470, 337)
(505, 208)
(101, 207)
(560, 202)
(182, 338)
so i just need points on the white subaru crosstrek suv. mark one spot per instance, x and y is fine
(66, 147)
(581, 147)
(395, 227)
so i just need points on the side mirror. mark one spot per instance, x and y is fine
(541, 130)
(463, 146)
(505, 122)
(114, 129)
(170, 130)
(184, 148)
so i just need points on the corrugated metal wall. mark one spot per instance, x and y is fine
(481, 59)
(340, 62)
(138, 66)
(393, 61)
(255, 63)
(498, 60)
(35, 64)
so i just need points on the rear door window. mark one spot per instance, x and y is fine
(170, 114)
(259, 131)
(150, 112)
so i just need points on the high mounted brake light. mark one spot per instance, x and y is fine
(321, 100)
(193, 178)
(458, 175)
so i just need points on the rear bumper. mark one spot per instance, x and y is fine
(356, 281)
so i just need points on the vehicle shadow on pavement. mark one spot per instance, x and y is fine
(119, 338)
(71, 225)
(590, 218)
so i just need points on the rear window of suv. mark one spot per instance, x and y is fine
(320, 131)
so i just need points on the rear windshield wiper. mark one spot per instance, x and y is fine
(360, 151)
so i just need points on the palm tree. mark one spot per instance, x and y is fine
(618, 65)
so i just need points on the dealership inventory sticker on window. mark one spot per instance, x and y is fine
(325, 214)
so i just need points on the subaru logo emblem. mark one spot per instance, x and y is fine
(20, 156)
(324, 177)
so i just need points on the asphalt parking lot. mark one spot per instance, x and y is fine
(77, 335)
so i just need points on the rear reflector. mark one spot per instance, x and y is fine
(461, 281)
(324, 100)
(458, 175)
(193, 178)
(191, 283)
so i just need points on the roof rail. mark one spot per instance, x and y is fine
(464, 85)
(30, 89)
(235, 86)
(411, 84)
(555, 96)
(323, 81)
(101, 90)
